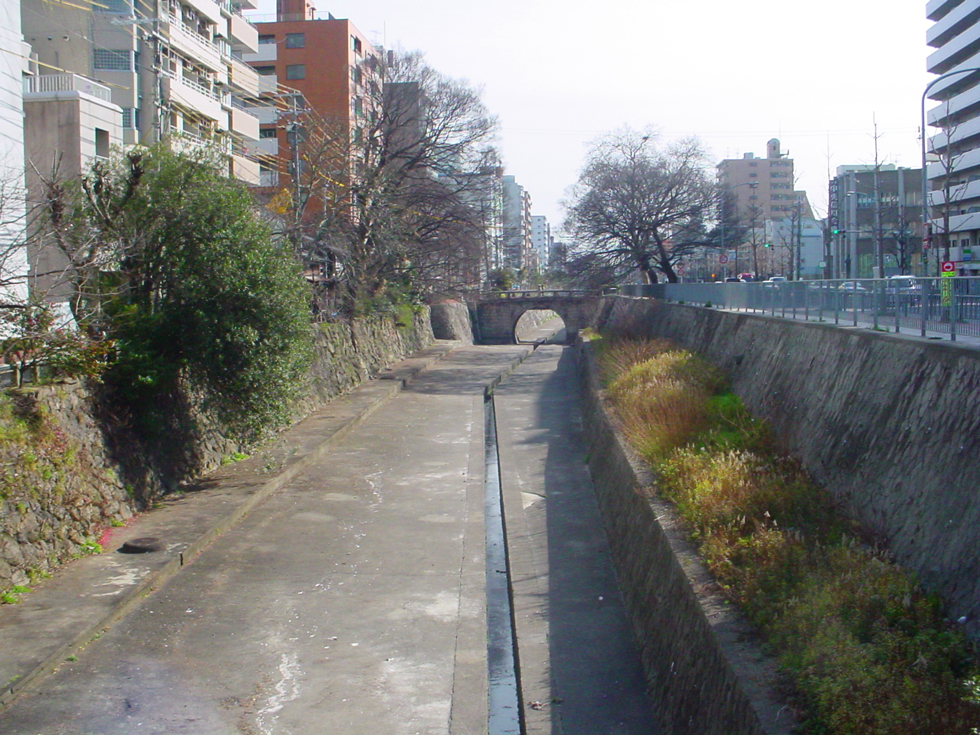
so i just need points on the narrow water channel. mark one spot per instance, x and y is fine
(503, 699)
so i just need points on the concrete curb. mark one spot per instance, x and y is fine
(388, 384)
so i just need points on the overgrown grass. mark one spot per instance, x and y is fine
(864, 649)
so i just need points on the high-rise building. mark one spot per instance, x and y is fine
(541, 240)
(174, 67)
(517, 250)
(954, 173)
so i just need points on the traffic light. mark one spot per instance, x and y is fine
(768, 244)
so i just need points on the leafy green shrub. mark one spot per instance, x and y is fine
(203, 292)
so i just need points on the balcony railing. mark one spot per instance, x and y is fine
(50, 83)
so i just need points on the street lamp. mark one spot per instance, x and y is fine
(925, 178)
(750, 184)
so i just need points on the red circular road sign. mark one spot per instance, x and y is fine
(948, 266)
(722, 258)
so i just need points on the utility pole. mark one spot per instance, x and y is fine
(879, 251)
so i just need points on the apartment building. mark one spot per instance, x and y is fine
(542, 241)
(70, 122)
(760, 188)
(308, 67)
(518, 253)
(954, 168)
(174, 67)
(13, 66)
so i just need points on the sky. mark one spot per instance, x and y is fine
(558, 74)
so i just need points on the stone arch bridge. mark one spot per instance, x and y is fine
(496, 312)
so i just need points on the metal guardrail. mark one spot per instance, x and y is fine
(947, 306)
(541, 294)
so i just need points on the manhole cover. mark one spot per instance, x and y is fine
(141, 545)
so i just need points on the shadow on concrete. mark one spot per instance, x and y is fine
(597, 681)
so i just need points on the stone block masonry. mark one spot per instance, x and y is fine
(86, 472)
(889, 425)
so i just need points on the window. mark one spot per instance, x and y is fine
(295, 71)
(113, 60)
(267, 133)
(357, 106)
(267, 38)
(101, 143)
(355, 74)
(355, 44)
(129, 118)
(265, 71)
(295, 40)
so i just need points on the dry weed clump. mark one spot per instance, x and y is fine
(864, 649)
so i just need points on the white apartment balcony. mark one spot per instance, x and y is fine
(243, 33)
(195, 97)
(245, 169)
(959, 102)
(945, 58)
(936, 8)
(244, 124)
(267, 146)
(268, 84)
(266, 114)
(969, 160)
(208, 8)
(268, 178)
(939, 89)
(244, 78)
(194, 45)
(957, 134)
(51, 85)
(957, 20)
(961, 222)
(958, 193)
(264, 52)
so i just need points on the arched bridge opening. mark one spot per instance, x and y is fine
(529, 325)
(497, 312)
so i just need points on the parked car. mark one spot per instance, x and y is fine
(851, 286)
(902, 285)
(774, 282)
(733, 279)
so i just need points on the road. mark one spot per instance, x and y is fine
(353, 600)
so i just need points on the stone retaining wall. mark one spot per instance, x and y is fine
(706, 675)
(889, 425)
(87, 470)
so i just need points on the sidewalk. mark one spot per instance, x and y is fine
(61, 615)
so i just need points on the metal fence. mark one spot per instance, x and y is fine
(947, 306)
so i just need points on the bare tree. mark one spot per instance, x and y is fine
(391, 200)
(637, 207)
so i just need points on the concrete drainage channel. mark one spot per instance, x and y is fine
(504, 711)
(503, 692)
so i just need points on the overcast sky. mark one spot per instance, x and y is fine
(559, 73)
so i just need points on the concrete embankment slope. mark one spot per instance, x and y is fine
(890, 425)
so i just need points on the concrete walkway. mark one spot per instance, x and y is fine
(335, 583)
(580, 670)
